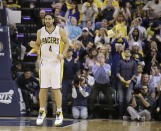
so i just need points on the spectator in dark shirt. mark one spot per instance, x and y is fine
(29, 86)
(141, 106)
(126, 72)
(71, 66)
(85, 37)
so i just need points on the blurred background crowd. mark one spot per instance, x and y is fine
(112, 68)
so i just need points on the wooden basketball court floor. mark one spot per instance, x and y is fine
(28, 124)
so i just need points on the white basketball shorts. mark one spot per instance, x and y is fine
(50, 75)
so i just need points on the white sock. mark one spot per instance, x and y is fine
(42, 108)
(59, 109)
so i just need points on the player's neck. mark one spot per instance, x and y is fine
(50, 29)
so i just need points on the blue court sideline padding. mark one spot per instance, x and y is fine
(9, 99)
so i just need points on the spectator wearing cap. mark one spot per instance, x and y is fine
(126, 72)
(71, 66)
(85, 38)
(89, 9)
(102, 36)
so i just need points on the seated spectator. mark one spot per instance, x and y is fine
(145, 81)
(141, 105)
(80, 93)
(29, 86)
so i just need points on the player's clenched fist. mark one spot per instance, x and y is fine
(33, 44)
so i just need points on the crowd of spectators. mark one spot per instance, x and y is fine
(114, 59)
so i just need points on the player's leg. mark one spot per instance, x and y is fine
(58, 99)
(44, 84)
(56, 82)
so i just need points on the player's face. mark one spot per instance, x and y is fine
(49, 21)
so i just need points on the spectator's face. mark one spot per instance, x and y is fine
(49, 21)
(69, 53)
(108, 48)
(94, 52)
(140, 69)
(27, 74)
(135, 48)
(85, 33)
(42, 14)
(73, 21)
(78, 45)
(145, 78)
(103, 50)
(118, 47)
(109, 5)
(57, 12)
(156, 70)
(101, 58)
(135, 33)
(89, 24)
(89, 45)
(104, 23)
(127, 53)
(145, 90)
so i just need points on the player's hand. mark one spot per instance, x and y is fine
(60, 56)
(128, 82)
(32, 44)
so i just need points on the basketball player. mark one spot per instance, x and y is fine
(49, 41)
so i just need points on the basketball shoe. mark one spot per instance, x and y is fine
(59, 118)
(41, 117)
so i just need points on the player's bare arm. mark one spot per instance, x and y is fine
(66, 43)
(36, 45)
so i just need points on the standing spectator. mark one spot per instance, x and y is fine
(80, 93)
(73, 12)
(126, 72)
(101, 72)
(89, 9)
(71, 66)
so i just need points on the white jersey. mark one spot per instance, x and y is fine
(50, 44)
